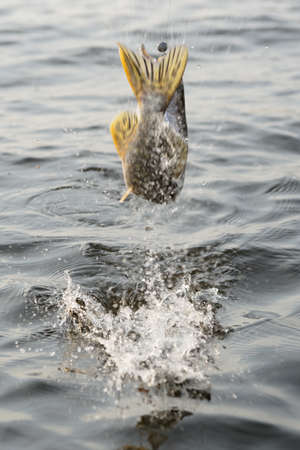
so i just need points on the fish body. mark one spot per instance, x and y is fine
(153, 143)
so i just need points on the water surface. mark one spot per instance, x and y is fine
(141, 326)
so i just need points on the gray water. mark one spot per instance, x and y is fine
(141, 326)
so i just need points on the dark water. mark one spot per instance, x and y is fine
(138, 326)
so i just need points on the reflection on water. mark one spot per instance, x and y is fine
(157, 425)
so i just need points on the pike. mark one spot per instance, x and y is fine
(152, 143)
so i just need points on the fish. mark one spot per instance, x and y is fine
(152, 142)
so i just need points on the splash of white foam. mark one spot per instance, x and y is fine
(167, 338)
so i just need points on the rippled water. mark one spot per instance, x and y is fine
(140, 326)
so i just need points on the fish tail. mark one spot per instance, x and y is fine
(154, 79)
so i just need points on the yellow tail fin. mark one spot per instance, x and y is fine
(123, 129)
(147, 76)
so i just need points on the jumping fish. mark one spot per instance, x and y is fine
(152, 143)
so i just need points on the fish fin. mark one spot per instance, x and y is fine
(181, 161)
(148, 77)
(145, 53)
(124, 196)
(123, 129)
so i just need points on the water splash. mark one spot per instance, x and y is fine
(168, 340)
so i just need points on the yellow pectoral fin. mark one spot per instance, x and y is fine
(124, 196)
(147, 76)
(123, 128)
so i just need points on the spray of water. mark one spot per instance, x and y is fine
(167, 341)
